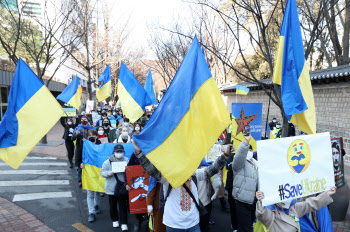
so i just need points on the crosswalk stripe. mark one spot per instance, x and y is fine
(39, 164)
(41, 157)
(34, 172)
(33, 183)
(38, 196)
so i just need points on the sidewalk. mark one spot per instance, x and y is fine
(16, 219)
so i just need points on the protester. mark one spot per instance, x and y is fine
(137, 129)
(272, 124)
(152, 199)
(69, 127)
(110, 115)
(103, 116)
(110, 188)
(79, 134)
(101, 134)
(93, 198)
(180, 210)
(126, 123)
(124, 137)
(285, 216)
(245, 183)
(277, 131)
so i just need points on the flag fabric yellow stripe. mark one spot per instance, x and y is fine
(92, 180)
(35, 119)
(185, 147)
(75, 101)
(104, 92)
(131, 109)
(241, 92)
(277, 71)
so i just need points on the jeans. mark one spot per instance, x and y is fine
(192, 229)
(79, 174)
(70, 149)
(93, 199)
(114, 202)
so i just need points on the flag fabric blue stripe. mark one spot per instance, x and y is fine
(97, 154)
(268, 130)
(240, 87)
(133, 87)
(105, 76)
(24, 85)
(149, 88)
(172, 108)
(293, 62)
(69, 91)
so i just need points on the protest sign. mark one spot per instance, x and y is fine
(338, 162)
(95, 117)
(69, 112)
(246, 114)
(89, 106)
(113, 123)
(294, 167)
(118, 167)
(138, 181)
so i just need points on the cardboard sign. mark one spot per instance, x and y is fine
(89, 106)
(69, 112)
(138, 180)
(294, 167)
(118, 167)
(95, 117)
(338, 162)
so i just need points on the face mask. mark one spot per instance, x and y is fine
(100, 132)
(83, 113)
(278, 126)
(84, 122)
(114, 113)
(69, 123)
(124, 134)
(249, 155)
(137, 128)
(126, 124)
(109, 114)
(274, 120)
(118, 155)
(92, 139)
(106, 124)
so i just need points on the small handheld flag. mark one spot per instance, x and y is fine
(150, 89)
(242, 90)
(31, 112)
(105, 89)
(132, 95)
(292, 73)
(187, 122)
(72, 93)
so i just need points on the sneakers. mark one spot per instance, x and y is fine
(91, 218)
(97, 209)
(124, 227)
(116, 224)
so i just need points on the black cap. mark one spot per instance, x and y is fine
(119, 147)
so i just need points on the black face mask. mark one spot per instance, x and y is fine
(105, 124)
(92, 139)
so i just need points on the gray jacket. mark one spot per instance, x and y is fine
(245, 182)
(106, 171)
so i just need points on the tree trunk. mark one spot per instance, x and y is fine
(285, 127)
(89, 84)
(346, 33)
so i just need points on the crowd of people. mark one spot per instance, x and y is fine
(187, 208)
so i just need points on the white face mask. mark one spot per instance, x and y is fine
(126, 124)
(137, 128)
(278, 126)
(124, 134)
(100, 132)
(83, 113)
(69, 123)
(109, 114)
(118, 155)
(274, 121)
(249, 155)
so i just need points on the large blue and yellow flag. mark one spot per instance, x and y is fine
(132, 95)
(31, 112)
(150, 89)
(93, 158)
(72, 93)
(187, 122)
(292, 73)
(105, 89)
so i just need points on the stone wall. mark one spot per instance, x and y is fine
(332, 103)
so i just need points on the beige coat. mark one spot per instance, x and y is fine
(276, 221)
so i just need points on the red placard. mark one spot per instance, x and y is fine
(138, 180)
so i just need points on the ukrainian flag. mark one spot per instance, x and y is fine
(132, 95)
(242, 90)
(291, 72)
(150, 89)
(93, 158)
(187, 122)
(72, 93)
(31, 112)
(105, 89)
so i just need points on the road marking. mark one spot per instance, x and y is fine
(38, 196)
(81, 227)
(41, 157)
(34, 172)
(39, 164)
(11, 183)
